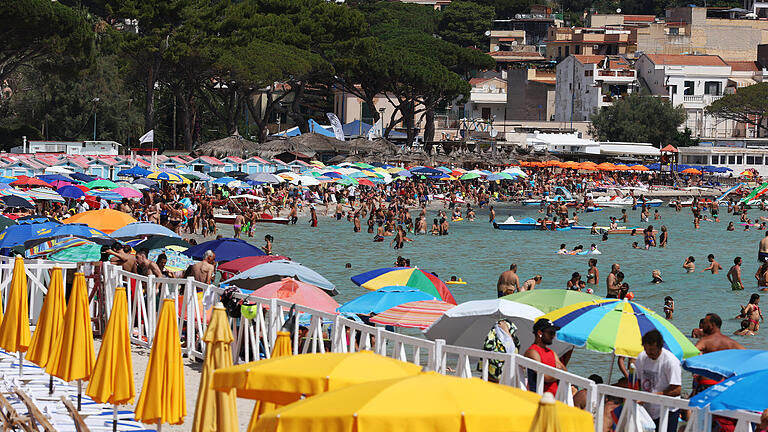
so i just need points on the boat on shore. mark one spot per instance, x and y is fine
(617, 201)
(526, 224)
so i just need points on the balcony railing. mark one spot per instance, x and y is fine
(616, 73)
(700, 99)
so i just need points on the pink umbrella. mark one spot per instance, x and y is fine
(127, 192)
(301, 293)
(418, 314)
(59, 183)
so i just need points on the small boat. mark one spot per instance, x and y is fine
(229, 219)
(638, 231)
(441, 197)
(617, 201)
(593, 209)
(525, 224)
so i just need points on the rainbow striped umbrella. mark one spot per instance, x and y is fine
(418, 314)
(617, 326)
(405, 276)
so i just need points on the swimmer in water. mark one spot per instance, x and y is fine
(562, 249)
(689, 265)
(714, 266)
(656, 277)
(734, 275)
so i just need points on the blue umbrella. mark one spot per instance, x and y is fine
(50, 178)
(727, 363)
(16, 201)
(68, 230)
(405, 173)
(741, 392)
(334, 175)
(427, 172)
(82, 177)
(146, 182)
(73, 192)
(16, 235)
(382, 299)
(226, 249)
(138, 229)
(135, 171)
(224, 180)
(107, 195)
(273, 271)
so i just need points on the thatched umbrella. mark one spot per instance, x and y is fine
(233, 145)
(271, 148)
(320, 143)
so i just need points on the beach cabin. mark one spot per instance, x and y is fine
(22, 166)
(75, 164)
(103, 167)
(233, 163)
(280, 165)
(256, 164)
(299, 165)
(206, 164)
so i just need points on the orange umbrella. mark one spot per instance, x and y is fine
(606, 166)
(571, 165)
(691, 171)
(621, 167)
(553, 163)
(106, 220)
(639, 168)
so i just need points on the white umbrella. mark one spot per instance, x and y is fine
(58, 170)
(469, 323)
(305, 180)
(266, 178)
(515, 171)
(247, 197)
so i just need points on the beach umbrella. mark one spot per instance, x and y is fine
(14, 330)
(138, 229)
(5, 222)
(15, 235)
(691, 171)
(106, 220)
(73, 356)
(281, 348)
(548, 300)
(28, 182)
(224, 180)
(470, 176)
(425, 402)
(85, 178)
(616, 326)
(77, 254)
(546, 419)
(426, 172)
(127, 192)
(68, 230)
(163, 397)
(41, 194)
(217, 174)
(169, 177)
(468, 323)
(741, 392)
(135, 171)
(226, 249)
(347, 182)
(283, 380)
(101, 184)
(727, 363)
(639, 168)
(266, 178)
(112, 378)
(382, 299)
(176, 261)
(50, 322)
(418, 314)
(48, 247)
(242, 264)
(146, 182)
(405, 276)
(274, 271)
(298, 292)
(50, 178)
(72, 192)
(160, 241)
(16, 201)
(365, 182)
(216, 411)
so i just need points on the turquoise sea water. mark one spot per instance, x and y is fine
(478, 253)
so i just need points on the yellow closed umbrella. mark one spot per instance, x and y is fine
(546, 419)
(424, 403)
(14, 330)
(284, 380)
(112, 378)
(73, 355)
(163, 398)
(216, 411)
(50, 322)
(282, 348)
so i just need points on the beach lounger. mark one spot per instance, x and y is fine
(34, 413)
(80, 425)
(11, 419)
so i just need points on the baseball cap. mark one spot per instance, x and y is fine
(544, 324)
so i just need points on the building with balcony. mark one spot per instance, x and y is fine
(565, 41)
(487, 99)
(587, 83)
(524, 30)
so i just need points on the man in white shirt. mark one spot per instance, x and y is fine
(658, 371)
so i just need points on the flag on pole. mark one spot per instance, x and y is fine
(147, 137)
(336, 125)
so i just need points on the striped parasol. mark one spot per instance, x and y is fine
(405, 276)
(16, 192)
(616, 326)
(418, 314)
(55, 245)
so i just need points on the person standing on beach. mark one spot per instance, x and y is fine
(611, 283)
(734, 275)
(714, 266)
(203, 271)
(659, 372)
(508, 282)
(762, 252)
(539, 351)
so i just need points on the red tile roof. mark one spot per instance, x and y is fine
(744, 66)
(109, 161)
(532, 54)
(686, 60)
(234, 159)
(179, 159)
(259, 160)
(589, 59)
(639, 18)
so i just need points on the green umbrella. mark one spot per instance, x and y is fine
(91, 252)
(547, 300)
(217, 174)
(470, 176)
(101, 184)
(362, 165)
(157, 242)
(346, 182)
(191, 176)
(314, 174)
(6, 222)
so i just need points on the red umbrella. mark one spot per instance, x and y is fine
(24, 181)
(298, 292)
(240, 265)
(364, 182)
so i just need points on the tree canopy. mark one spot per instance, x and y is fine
(747, 105)
(639, 118)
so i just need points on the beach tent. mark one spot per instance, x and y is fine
(317, 128)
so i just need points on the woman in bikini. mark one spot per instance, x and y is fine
(593, 274)
(752, 312)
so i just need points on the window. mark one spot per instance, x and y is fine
(567, 50)
(712, 88)
(674, 31)
(731, 160)
(750, 160)
(673, 88)
(588, 73)
(739, 160)
(715, 159)
(577, 49)
(688, 88)
(559, 51)
(486, 113)
(723, 159)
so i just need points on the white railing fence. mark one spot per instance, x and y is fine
(256, 330)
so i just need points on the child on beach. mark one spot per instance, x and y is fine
(669, 307)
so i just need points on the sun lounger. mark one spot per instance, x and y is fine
(11, 419)
(35, 414)
(80, 425)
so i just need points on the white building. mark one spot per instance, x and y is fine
(759, 8)
(694, 82)
(736, 158)
(487, 100)
(586, 83)
(574, 146)
(90, 148)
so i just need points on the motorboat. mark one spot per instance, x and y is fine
(627, 201)
(526, 224)
(229, 219)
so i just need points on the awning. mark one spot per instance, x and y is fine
(741, 82)
(629, 149)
